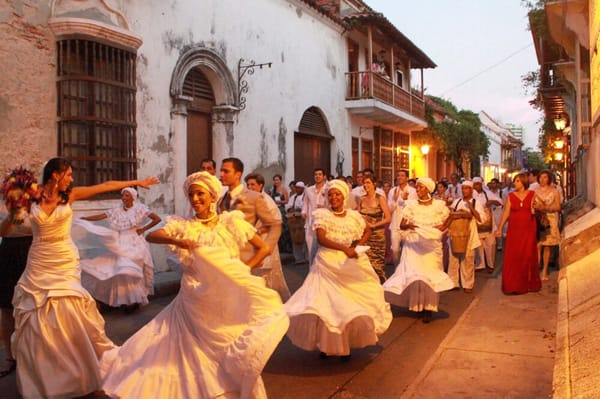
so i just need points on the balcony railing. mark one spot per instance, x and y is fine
(365, 85)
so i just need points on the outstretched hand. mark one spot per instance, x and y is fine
(148, 181)
(187, 244)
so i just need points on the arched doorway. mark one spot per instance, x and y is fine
(312, 145)
(199, 118)
(199, 128)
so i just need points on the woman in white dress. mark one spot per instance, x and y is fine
(340, 305)
(419, 276)
(59, 335)
(216, 336)
(123, 273)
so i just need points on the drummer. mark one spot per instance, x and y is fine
(466, 207)
(294, 213)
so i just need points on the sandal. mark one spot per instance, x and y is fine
(12, 367)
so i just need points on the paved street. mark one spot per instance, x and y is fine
(391, 369)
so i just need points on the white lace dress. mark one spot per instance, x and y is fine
(121, 272)
(340, 305)
(419, 276)
(59, 335)
(214, 339)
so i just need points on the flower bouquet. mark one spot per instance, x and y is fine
(19, 189)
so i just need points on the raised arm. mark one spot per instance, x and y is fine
(94, 218)
(79, 193)
(161, 237)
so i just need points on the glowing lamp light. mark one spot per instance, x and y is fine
(558, 156)
(560, 123)
(425, 149)
(502, 170)
(559, 144)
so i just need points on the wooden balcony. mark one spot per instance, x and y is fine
(376, 97)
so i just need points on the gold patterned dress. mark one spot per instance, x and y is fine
(550, 236)
(377, 240)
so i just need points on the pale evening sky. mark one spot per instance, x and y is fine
(473, 39)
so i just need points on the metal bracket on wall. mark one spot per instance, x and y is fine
(242, 84)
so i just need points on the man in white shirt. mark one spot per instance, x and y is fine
(315, 197)
(486, 254)
(294, 211)
(496, 198)
(397, 198)
(454, 190)
(465, 263)
(532, 175)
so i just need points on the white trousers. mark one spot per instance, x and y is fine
(466, 266)
(486, 254)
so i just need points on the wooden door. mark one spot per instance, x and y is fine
(310, 153)
(199, 139)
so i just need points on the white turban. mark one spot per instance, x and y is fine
(204, 180)
(427, 182)
(467, 183)
(340, 185)
(131, 191)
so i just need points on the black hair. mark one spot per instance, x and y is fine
(237, 163)
(58, 165)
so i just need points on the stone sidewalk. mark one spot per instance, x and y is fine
(503, 347)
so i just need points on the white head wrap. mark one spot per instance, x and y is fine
(205, 180)
(467, 183)
(340, 185)
(477, 179)
(131, 191)
(427, 182)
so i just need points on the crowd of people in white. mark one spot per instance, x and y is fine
(234, 305)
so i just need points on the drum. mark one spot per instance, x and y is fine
(459, 232)
(296, 225)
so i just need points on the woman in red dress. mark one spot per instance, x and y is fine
(520, 268)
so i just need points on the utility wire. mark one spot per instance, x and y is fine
(488, 68)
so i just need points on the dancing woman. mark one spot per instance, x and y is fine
(123, 273)
(59, 334)
(420, 277)
(216, 336)
(340, 305)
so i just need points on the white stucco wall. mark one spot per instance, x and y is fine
(308, 54)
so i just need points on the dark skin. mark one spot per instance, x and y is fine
(336, 200)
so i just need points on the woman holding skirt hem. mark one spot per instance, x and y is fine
(340, 305)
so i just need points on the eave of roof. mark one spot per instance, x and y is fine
(419, 58)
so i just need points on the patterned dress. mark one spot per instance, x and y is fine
(550, 236)
(377, 240)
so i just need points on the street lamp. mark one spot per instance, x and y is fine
(560, 122)
(559, 143)
(425, 149)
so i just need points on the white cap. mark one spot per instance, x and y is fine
(477, 180)
(300, 184)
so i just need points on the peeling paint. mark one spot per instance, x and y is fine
(161, 146)
(281, 140)
(172, 40)
(229, 136)
(264, 146)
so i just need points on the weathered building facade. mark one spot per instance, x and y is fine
(126, 88)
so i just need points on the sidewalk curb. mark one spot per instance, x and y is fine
(410, 391)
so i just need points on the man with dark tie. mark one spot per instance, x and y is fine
(251, 203)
